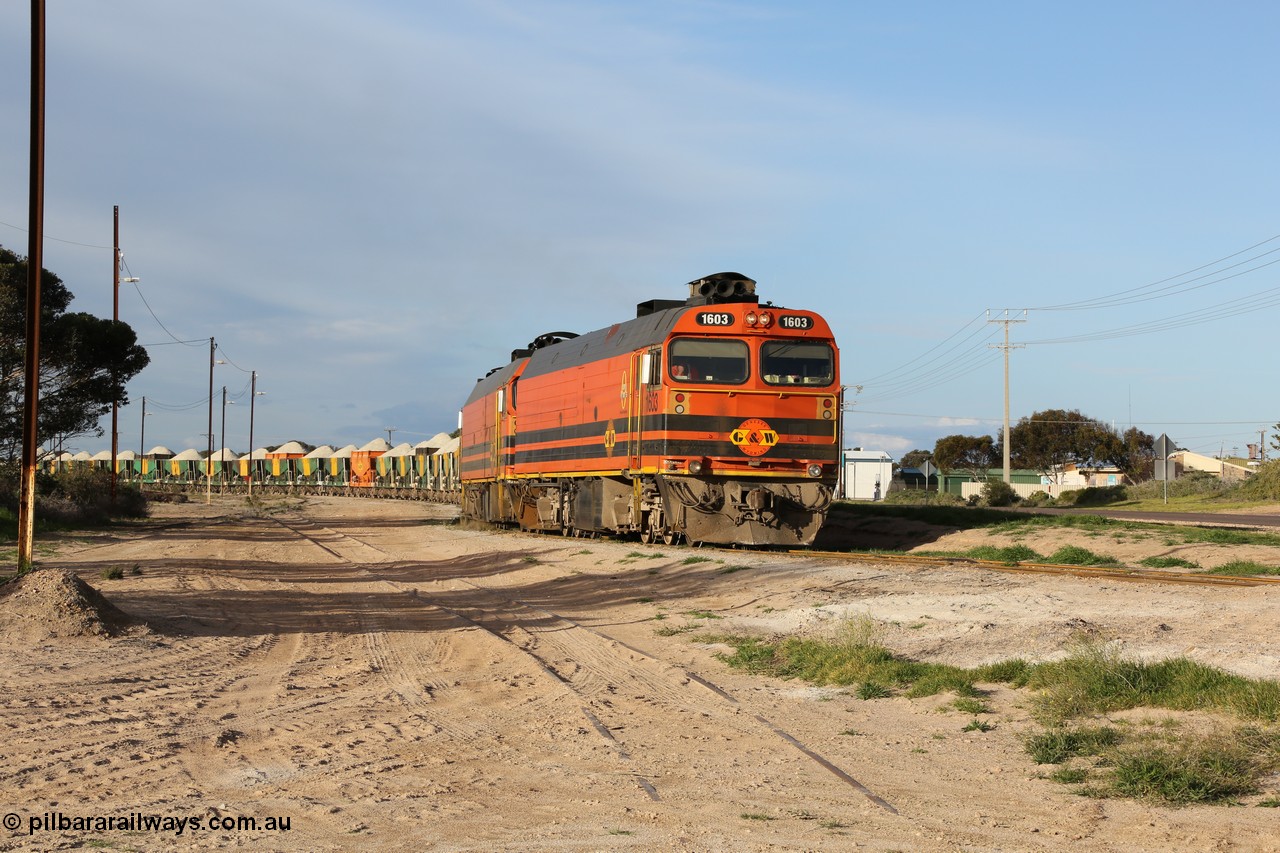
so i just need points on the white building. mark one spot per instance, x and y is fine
(864, 474)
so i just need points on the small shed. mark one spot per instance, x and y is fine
(865, 474)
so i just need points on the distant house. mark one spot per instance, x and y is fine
(1074, 476)
(913, 478)
(1185, 460)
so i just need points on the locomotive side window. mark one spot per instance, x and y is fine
(715, 360)
(790, 363)
(651, 367)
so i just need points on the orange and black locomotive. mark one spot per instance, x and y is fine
(713, 419)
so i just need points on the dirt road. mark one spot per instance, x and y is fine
(382, 679)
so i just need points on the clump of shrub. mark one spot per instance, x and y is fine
(1038, 498)
(998, 493)
(1263, 485)
(1093, 496)
(923, 497)
(1190, 484)
(81, 495)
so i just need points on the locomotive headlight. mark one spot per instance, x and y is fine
(695, 466)
(679, 410)
(765, 319)
(751, 318)
(814, 470)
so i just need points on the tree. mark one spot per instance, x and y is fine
(1275, 437)
(1047, 441)
(915, 458)
(1138, 454)
(85, 361)
(975, 455)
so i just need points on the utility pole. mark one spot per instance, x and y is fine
(115, 317)
(117, 258)
(208, 462)
(1006, 346)
(253, 396)
(222, 442)
(142, 445)
(35, 269)
(389, 431)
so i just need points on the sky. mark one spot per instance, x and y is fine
(371, 204)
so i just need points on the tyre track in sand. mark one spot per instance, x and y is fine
(631, 698)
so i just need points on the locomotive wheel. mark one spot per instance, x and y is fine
(669, 537)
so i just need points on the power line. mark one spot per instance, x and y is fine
(995, 419)
(1104, 301)
(58, 240)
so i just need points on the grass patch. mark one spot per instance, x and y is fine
(728, 570)
(1093, 680)
(1074, 555)
(689, 561)
(1060, 744)
(1009, 554)
(1214, 769)
(997, 521)
(872, 690)
(703, 614)
(969, 705)
(854, 656)
(756, 816)
(1168, 563)
(1243, 568)
(113, 573)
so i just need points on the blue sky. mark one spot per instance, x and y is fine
(371, 204)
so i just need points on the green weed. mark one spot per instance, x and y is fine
(1074, 555)
(1168, 563)
(1243, 568)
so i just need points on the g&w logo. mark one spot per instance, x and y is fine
(754, 437)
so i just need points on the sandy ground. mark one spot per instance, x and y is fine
(383, 679)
